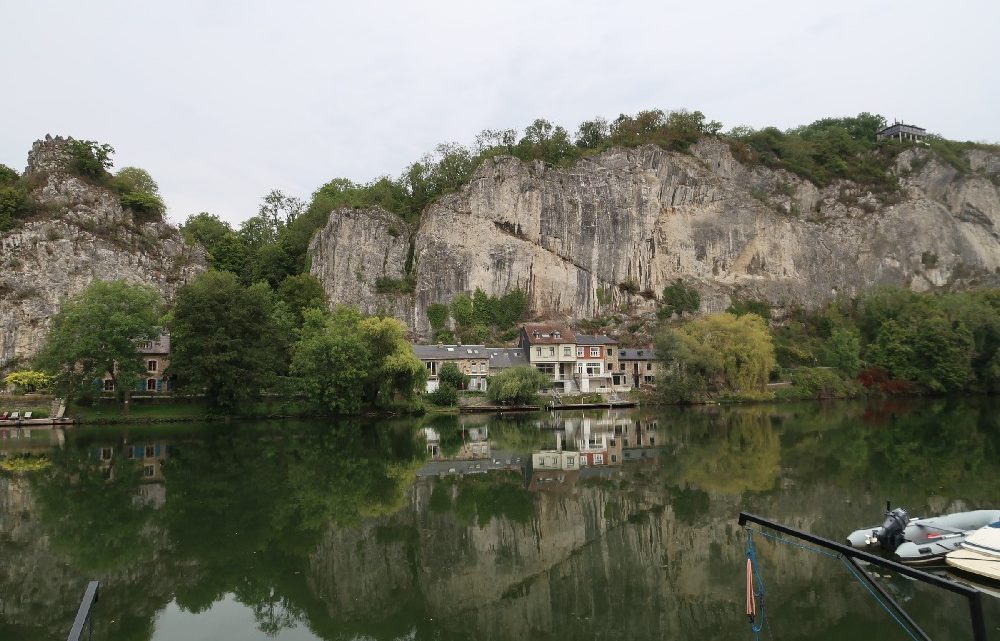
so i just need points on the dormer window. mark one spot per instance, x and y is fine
(536, 334)
(555, 335)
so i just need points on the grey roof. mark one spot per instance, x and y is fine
(637, 354)
(449, 352)
(159, 346)
(594, 339)
(505, 357)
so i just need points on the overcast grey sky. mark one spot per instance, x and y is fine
(222, 101)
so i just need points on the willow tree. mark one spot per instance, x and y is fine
(732, 354)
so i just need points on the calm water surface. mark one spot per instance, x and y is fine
(443, 529)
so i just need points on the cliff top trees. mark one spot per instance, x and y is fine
(97, 333)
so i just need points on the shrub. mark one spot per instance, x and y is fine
(444, 396)
(145, 207)
(28, 381)
(741, 307)
(450, 374)
(679, 298)
(437, 315)
(389, 285)
(820, 383)
(91, 159)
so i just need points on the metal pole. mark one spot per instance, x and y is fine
(885, 595)
(973, 595)
(90, 596)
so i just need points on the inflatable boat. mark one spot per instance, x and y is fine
(923, 540)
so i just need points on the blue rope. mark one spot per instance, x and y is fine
(756, 626)
(752, 555)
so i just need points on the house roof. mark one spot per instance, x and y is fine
(506, 357)
(548, 333)
(159, 346)
(594, 339)
(449, 352)
(637, 354)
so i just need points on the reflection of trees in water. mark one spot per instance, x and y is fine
(739, 451)
(90, 511)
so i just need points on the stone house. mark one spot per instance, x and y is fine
(501, 358)
(551, 348)
(639, 366)
(156, 356)
(472, 360)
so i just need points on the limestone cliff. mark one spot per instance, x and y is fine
(617, 227)
(81, 234)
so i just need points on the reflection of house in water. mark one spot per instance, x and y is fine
(150, 457)
(609, 439)
(475, 444)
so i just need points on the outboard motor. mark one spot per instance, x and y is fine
(890, 535)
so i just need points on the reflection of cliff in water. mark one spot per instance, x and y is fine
(328, 527)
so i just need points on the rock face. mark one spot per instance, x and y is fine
(614, 229)
(81, 235)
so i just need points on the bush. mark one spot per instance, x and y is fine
(145, 207)
(389, 285)
(445, 395)
(29, 381)
(679, 298)
(819, 383)
(91, 159)
(516, 386)
(451, 375)
(437, 316)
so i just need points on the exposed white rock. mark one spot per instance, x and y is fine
(644, 217)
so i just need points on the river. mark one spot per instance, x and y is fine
(442, 528)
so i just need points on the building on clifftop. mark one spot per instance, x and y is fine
(902, 131)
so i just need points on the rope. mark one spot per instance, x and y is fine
(752, 559)
(755, 588)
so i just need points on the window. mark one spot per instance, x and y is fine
(612, 442)
(652, 440)
(567, 350)
(150, 451)
(648, 379)
(579, 352)
(130, 452)
(151, 365)
(105, 453)
(595, 352)
(649, 366)
(614, 459)
(570, 461)
(147, 471)
(538, 351)
(546, 368)
(552, 351)
(109, 385)
(593, 369)
(556, 335)
(598, 459)
(621, 366)
(150, 384)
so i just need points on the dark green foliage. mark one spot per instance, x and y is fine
(389, 285)
(445, 395)
(227, 250)
(91, 159)
(679, 298)
(824, 151)
(145, 207)
(437, 315)
(300, 293)
(97, 333)
(14, 202)
(485, 497)
(8, 176)
(843, 350)
(676, 131)
(462, 310)
(226, 341)
(819, 383)
(739, 307)
(482, 310)
(450, 374)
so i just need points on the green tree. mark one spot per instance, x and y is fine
(331, 360)
(302, 292)
(462, 310)
(930, 351)
(450, 374)
(843, 350)
(96, 333)
(516, 386)
(91, 159)
(225, 340)
(134, 179)
(732, 353)
(226, 249)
